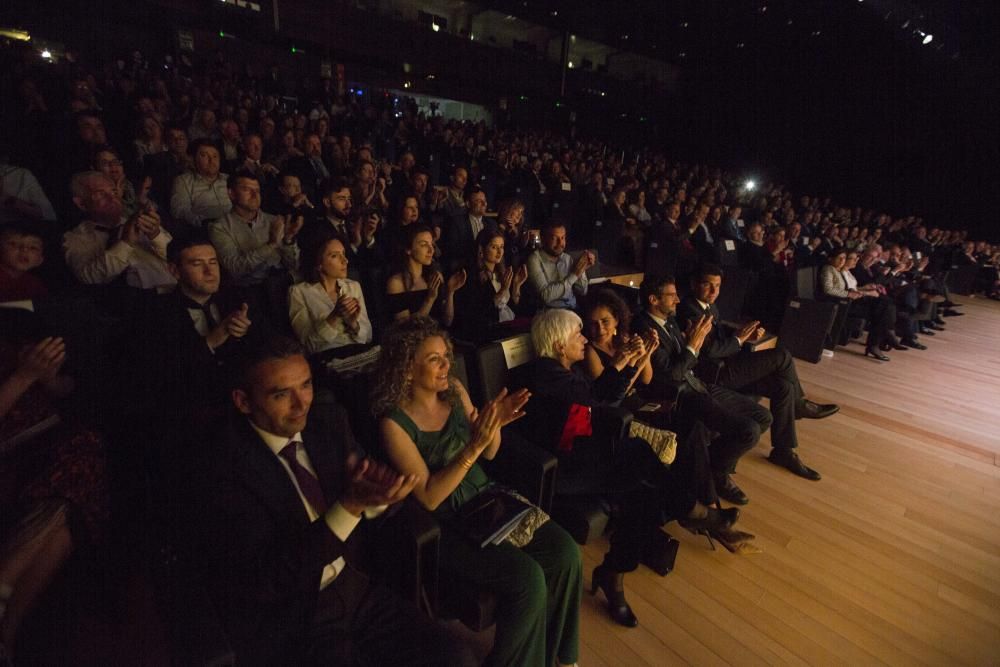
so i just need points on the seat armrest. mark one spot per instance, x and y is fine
(525, 466)
(611, 422)
(708, 369)
(406, 550)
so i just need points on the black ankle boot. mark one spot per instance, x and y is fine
(612, 583)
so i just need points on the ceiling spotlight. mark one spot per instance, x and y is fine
(750, 186)
(928, 39)
(435, 27)
(46, 54)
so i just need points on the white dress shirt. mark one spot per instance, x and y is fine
(309, 306)
(93, 262)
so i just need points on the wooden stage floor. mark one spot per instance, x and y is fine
(894, 557)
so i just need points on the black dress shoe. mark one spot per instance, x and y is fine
(949, 303)
(876, 354)
(914, 344)
(924, 331)
(934, 326)
(612, 583)
(727, 490)
(949, 312)
(938, 321)
(807, 409)
(788, 459)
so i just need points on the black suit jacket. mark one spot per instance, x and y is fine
(265, 559)
(458, 246)
(721, 342)
(673, 364)
(309, 178)
(176, 373)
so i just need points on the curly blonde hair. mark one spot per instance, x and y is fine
(399, 348)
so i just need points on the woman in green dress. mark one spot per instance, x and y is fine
(429, 427)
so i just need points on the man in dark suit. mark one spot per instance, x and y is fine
(187, 338)
(310, 167)
(280, 497)
(738, 420)
(458, 235)
(768, 373)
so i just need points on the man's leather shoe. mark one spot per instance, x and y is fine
(914, 344)
(951, 313)
(938, 321)
(949, 303)
(924, 331)
(807, 409)
(727, 490)
(788, 459)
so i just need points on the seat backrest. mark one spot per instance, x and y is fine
(728, 251)
(805, 326)
(497, 364)
(805, 282)
(732, 298)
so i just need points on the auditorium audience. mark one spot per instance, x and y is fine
(182, 137)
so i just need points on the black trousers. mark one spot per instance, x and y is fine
(736, 418)
(881, 314)
(360, 623)
(631, 475)
(769, 373)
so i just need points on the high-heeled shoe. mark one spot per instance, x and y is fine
(871, 352)
(714, 519)
(613, 585)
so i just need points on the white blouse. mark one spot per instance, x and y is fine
(309, 306)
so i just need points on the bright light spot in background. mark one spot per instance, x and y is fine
(750, 185)
(46, 54)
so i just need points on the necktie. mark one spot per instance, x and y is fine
(205, 308)
(308, 483)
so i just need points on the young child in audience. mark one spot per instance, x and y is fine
(21, 250)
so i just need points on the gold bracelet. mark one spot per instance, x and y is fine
(467, 463)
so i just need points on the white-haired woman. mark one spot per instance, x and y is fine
(648, 493)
